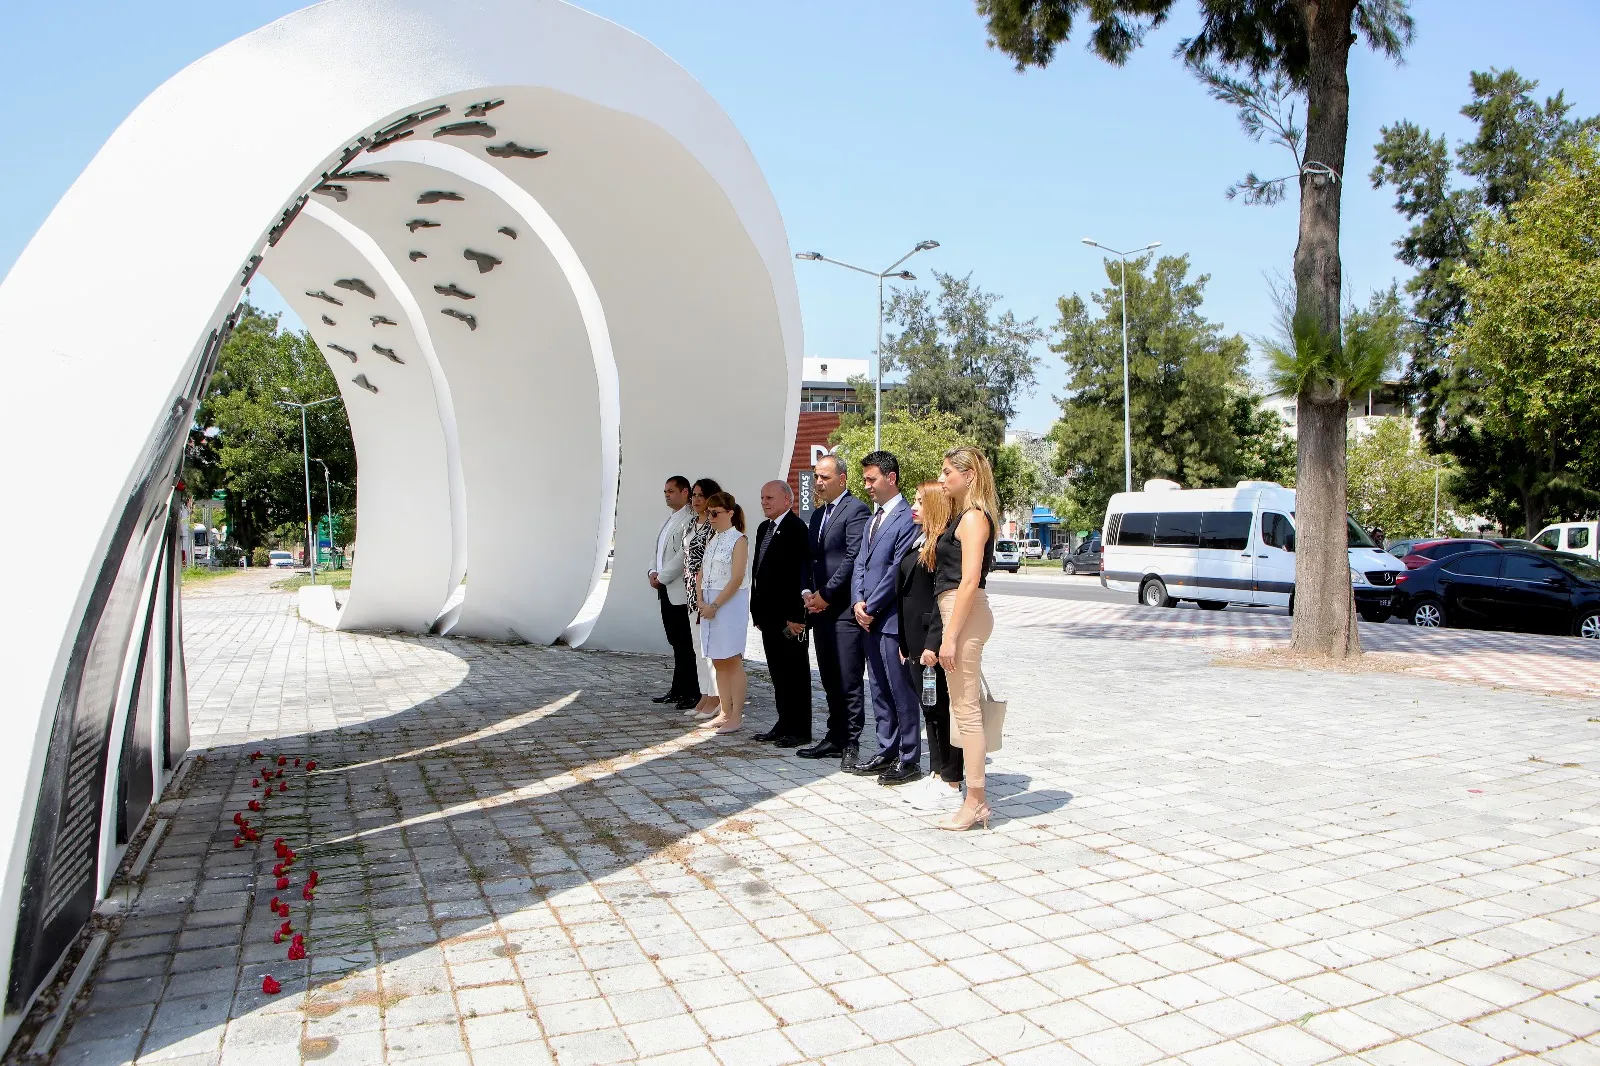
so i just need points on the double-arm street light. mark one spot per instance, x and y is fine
(1127, 419)
(327, 487)
(877, 370)
(305, 455)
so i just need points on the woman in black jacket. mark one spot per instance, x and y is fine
(921, 632)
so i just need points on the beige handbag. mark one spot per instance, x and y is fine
(994, 719)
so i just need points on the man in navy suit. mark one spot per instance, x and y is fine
(836, 528)
(875, 598)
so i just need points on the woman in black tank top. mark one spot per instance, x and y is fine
(964, 555)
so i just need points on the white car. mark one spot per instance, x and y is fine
(283, 559)
(1033, 549)
(1007, 555)
(1222, 546)
(1579, 538)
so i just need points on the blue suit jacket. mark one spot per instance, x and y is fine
(833, 554)
(877, 576)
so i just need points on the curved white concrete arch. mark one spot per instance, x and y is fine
(646, 177)
(407, 559)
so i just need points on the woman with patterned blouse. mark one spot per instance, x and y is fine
(694, 550)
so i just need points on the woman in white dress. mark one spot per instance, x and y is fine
(724, 586)
(694, 549)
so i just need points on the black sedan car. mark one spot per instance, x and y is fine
(1531, 592)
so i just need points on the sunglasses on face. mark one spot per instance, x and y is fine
(714, 512)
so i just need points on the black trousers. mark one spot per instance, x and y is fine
(675, 620)
(944, 758)
(789, 663)
(842, 662)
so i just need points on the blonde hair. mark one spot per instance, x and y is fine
(980, 493)
(935, 517)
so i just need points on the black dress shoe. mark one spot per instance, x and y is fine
(822, 749)
(849, 757)
(671, 697)
(790, 741)
(768, 736)
(900, 774)
(686, 702)
(874, 766)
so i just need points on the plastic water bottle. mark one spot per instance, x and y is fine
(930, 687)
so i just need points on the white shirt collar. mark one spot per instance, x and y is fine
(894, 501)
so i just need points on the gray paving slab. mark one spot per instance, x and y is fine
(523, 860)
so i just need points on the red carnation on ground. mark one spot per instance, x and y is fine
(297, 952)
(283, 786)
(255, 805)
(277, 936)
(238, 819)
(251, 834)
(255, 782)
(307, 893)
(277, 867)
(238, 842)
(315, 877)
(270, 986)
(283, 883)
(286, 928)
(297, 761)
(278, 845)
(311, 764)
(282, 761)
(254, 755)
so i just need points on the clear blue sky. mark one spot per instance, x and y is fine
(881, 123)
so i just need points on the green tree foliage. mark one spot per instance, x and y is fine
(1270, 48)
(1508, 477)
(1191, 398)
(1529, 340)
(246, 442)
(1392, 482)
(1266, 451)
(918, 441)
(958, 355)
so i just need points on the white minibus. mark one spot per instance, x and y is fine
(1579, 538)
(1221, 546)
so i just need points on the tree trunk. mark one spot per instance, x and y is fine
(1324, 618)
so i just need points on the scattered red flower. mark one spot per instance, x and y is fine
(283, 786)
(311, 764)
(277, 936)
(286, 928)
(254, 755)
(315, 877)
(282, 761)
(277, 867)
(307, 893)
(297, 952)
(283, 883)
(255, 782)
(255, 805)
(238, 842)
(270, 986)
(238, 819)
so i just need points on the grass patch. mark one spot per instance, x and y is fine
(193, 575)
(339, 579)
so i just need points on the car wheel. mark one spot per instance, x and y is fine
(1374, 615)
(1154, 594)
(1589, 626)
(1210, 605)
(1069, 567)
(1428, 614)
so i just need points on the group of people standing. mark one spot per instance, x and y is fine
(893, 595)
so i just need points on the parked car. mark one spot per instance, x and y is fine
(1424, 552)
(280, 558)
(1007, 555)
(1579, 538)
(1543, 592)
(1056, 550)
(1086, 560)
(1033, 549)
(1222, 546)
(1517, 543)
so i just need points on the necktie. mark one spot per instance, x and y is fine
(877, 520)
(827, 513)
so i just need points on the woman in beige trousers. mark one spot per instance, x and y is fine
(962, 561)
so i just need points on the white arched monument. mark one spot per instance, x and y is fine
(547, 274)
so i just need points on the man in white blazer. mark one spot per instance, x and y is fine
(666, 577)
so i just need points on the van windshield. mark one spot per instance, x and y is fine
(1005, 545)
(1357, 536)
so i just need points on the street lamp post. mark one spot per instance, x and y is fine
(305, 456)
(877, 370)
(1127, 418)
(327, 487)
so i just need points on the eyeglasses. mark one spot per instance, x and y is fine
(714, 512)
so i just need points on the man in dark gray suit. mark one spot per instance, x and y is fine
(837, 526)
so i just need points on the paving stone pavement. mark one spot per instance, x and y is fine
(523, 861)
